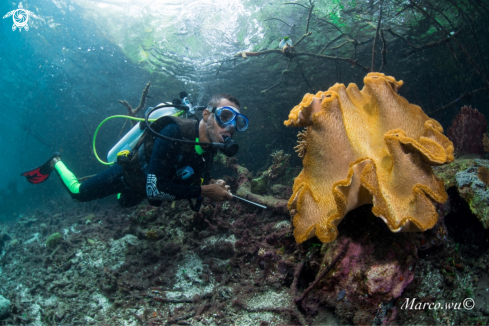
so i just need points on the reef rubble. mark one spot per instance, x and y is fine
(232, 263)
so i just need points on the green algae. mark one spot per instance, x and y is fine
(260, 185)
(53, 240)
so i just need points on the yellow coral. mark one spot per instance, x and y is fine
(368, 146)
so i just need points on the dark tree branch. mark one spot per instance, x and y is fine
(330, 42)
(295, 282)
(255, 54)
(298, 4)
(307, 82)
(132, 112)
(461, 97)
(340, 46)
(482, 5)
(327, 22)
(325, 271)
(400, 12)
(293, 54)
(454, 39)
(272, 87)
(417, 48)
(219, 69)
(481, 58)
(288, 65)
(222, 61)
(304, 77)
(322, 56)
(278, 20)
(465, 14)
(384, 50)
(309, 17)
(377, 30)
(302, 38)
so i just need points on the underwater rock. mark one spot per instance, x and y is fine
(281, 191)
(44, 228)
(468, 175)
(475, 191)
(14, 243)
(368, 146)
(485, 143)
(371, 274)
(4, 307)
(259, 185)
(4, 239)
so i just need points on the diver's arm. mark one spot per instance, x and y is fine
(217, 191)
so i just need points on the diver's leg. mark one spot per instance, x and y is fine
(106, 183)
(129, 199)
(67, 177)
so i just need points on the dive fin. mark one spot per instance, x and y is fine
(41, 173)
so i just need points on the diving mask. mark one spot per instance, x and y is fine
(228, 116)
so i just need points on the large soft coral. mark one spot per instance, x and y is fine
(467, 131)
(368, 146)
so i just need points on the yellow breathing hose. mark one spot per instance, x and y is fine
(119, 116)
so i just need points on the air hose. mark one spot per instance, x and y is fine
(100, 125)
(110, 118)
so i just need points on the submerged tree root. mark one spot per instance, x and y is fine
(325, 271)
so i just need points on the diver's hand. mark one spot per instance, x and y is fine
(217, 190)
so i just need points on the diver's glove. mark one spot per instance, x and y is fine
(154, 195)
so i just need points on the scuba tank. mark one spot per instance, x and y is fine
(131, 138)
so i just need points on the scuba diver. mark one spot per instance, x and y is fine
(171, 160)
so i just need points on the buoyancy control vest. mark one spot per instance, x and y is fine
(135, 166)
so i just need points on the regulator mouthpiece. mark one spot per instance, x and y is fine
(229, 147)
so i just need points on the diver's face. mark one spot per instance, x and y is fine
(216, 131)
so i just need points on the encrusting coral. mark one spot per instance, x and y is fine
(467, 131)
(361, 147)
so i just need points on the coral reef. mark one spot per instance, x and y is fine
(203, 267)
(372, 273)
(467, 131)
(469, 176)
(280, 164)
(368, 146)
(232, 263)
(244, 185)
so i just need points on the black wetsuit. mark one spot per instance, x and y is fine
(159, 171)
